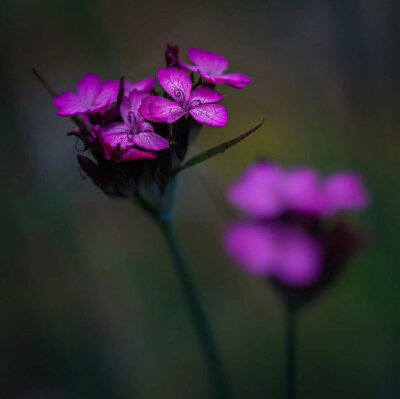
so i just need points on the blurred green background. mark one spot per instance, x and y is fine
(90, 307)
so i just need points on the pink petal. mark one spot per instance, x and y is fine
(208, 62)
(150, 141)
(88, 89)
(302, 191)
(235, 80)
(252, 246)
(164, 110)
(116, 134)
(133, 154)
(346, 191)
(275, 250)
(69, 104)
(258, 191)
(108, 94)
(146, 85)
(300, 256)
(144, 109)
(210, 114)
(176, 82)
(132, 103)
(205, 95)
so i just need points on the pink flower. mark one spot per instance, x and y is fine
(212, 66)
(277, 250)
(266, 190)
(127, 139)
(198, 103)
(93, 96)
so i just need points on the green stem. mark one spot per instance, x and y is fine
(202, 327)
(290, 353)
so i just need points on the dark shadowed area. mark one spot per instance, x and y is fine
(90, 306)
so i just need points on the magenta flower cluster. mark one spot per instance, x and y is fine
(282, 236)
(127, 126)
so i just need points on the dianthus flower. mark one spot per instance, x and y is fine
(283, 235)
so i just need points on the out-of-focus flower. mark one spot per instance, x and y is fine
(211, 67)
(284, 235)
(128, 138)
(93, 96)
(199, 103)
(266, 190)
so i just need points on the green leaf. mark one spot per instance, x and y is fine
(215, 150)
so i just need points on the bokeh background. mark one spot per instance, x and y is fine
(90, 306)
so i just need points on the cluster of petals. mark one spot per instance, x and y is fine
(270, 245)
(199, 103)
(280, 250)
(266, 190)
(124, 130)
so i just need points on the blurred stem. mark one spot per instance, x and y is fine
(200, 322)
(291, 314)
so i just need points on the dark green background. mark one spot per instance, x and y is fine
(90, 307)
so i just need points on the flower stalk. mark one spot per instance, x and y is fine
(291, 314)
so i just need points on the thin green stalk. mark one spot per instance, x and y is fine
(290, 353)
(202, 327)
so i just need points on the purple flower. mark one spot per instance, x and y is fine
(278, 250)
(266, 190)
(212, 66)
(198, 103)
(93, 96)
(126, 140)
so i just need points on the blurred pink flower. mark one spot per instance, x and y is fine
(211, 67)
(278, 250)
(93, 96)
(199, 103)
(266, 190)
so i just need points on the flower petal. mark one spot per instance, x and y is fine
(150, 141)
(210, 114)
(88, 89)
(300, 256)
(208, 62)
(69, 104)
(302, 191)
(176, 82)
(258, 191)
(116, 134)
(108, 94)
(345, 191)
(146, 85)
(252, 246)
(132, 103)
(205, 95)
(164, 110)
(236, 80)
(133, 154)
(275, 250)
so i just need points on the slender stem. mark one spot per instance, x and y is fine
(202, 327)
(290, 353)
